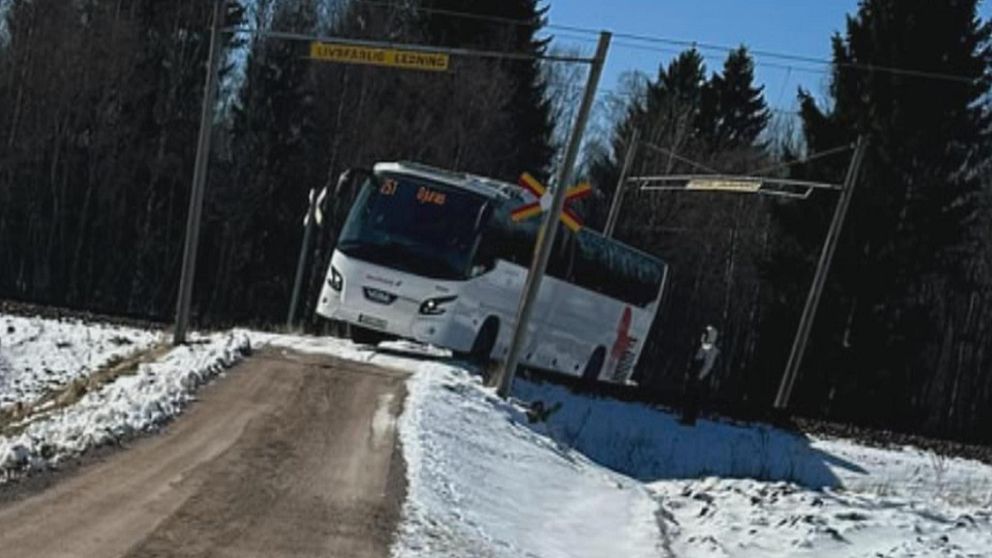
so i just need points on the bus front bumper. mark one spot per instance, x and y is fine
(442, 330)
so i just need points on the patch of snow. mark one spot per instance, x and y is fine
(482, 481)
(747, 518)
(38, 355)
(598, 477)
(607, 478)
(753, 490)
(399, 355)
(650, 444)
(133, 403)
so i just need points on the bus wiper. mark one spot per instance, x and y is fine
(481, 216)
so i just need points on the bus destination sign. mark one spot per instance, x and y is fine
(405, 59)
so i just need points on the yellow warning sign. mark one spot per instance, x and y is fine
(406, 59)
(726, 185)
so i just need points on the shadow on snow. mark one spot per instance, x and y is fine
(649, 444)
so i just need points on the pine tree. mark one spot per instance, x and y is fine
(502, 25)
(277, 155)
(717, 119)
(674, 109)
(712, 241)
(880, 326)
(741, 114)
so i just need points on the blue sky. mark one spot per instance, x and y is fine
(799, 27)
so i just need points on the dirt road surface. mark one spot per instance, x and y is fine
(288, 455)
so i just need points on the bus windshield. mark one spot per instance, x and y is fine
(414, 225)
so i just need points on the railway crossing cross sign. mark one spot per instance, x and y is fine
(543, 203)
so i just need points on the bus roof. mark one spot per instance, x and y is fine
(482, 185)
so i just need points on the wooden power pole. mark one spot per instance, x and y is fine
(199, 179)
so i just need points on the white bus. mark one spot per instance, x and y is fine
(432, 255)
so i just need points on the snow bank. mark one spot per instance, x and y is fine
(747, 518)
(38, 355)
(597, 478)
(752, 490)
(157, 392)
(606, 478)
(398, 355)
(650, 444)
(483, 482)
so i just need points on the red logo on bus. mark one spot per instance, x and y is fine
(624, 340)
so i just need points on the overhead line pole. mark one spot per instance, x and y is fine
(549, 227)
(199, 179)
(628, 160)
(301, 262)
(816, 290)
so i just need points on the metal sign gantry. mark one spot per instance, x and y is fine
(760, 185)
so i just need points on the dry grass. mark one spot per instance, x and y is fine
(15, 418)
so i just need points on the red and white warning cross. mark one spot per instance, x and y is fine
(543, 203)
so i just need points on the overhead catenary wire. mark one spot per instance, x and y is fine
(538, 22)
(911, 72)
(717, 58)
(682, 43)
(807, 159)
(605, 91)
(704, 56)
(678, 157)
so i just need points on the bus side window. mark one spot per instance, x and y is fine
(560, 262)
(487, 252)
(514, 242)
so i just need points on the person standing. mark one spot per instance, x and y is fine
(695, 385)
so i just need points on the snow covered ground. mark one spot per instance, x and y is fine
(606, 478)
(38, 355)
(731, 490)
(596, 478)
(131, 403)
(482, 481)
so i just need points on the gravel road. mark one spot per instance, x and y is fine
(287, 455)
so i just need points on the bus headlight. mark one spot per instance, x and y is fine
(435, 306)
(336, 281)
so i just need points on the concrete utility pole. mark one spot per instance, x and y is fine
(549, 227)
(301, 263)
(199, 179)
(822, 269)
(628, 160)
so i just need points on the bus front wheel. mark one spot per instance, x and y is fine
(485, 340)
(365, 336)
